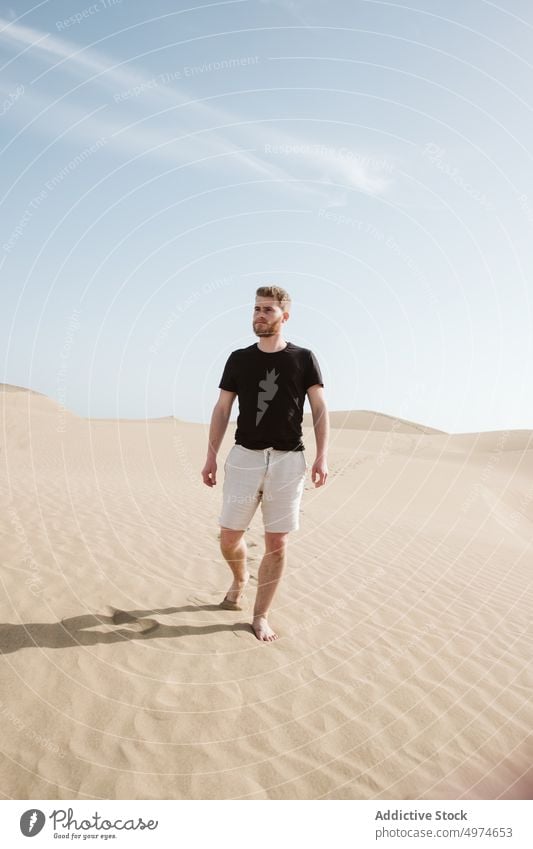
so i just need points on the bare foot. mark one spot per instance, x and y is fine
(263, 631)
(235, 593)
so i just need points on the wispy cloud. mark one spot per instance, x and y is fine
(203, 124)
(344, 166)
(75, 59)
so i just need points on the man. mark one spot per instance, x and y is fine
(267, 463)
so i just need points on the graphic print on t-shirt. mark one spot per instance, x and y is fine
(271, 388)
(268, 388)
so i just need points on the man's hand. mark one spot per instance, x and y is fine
(320, 469)
(209, 472)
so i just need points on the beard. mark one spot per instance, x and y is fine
(267, 328)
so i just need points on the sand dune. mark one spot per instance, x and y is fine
(404, 664)
(369, 420)
(10, 387)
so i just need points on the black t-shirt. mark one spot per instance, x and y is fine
(271, 390)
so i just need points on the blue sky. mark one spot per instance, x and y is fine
(158, 163)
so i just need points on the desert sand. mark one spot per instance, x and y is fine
(403, 668)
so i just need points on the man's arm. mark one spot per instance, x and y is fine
(217, 429)
(319, 410)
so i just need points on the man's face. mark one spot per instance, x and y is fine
(268, 317)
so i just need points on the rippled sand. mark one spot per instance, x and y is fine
(403, 668)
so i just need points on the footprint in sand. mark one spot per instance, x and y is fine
(134, 625)
(203, 601)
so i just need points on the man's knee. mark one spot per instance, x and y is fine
(230, 539)
(276, 543)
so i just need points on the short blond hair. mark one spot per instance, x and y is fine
(280, 295)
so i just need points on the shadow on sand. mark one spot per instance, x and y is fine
(125, 624)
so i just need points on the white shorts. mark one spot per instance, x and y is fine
(274, 478)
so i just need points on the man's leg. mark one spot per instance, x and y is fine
(233, 547)
(270, 572)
